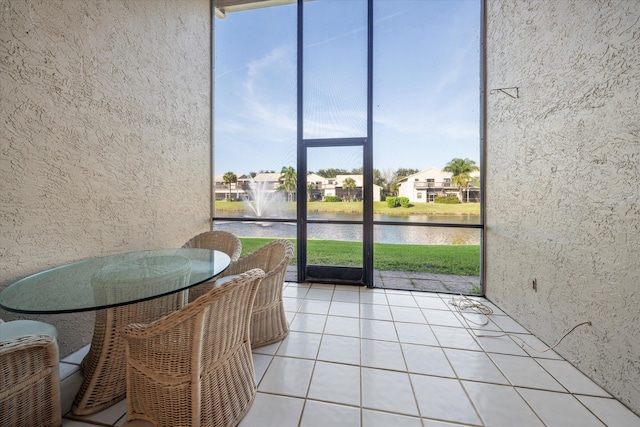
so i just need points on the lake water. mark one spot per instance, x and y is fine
(408, 234)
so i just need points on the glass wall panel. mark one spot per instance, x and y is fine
(253, 235)
(426, 105)
(420, 258)
(258, 229)
(255, 127)
(335, 69)
(426, 136)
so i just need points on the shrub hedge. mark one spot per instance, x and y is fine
(332, 199)
(449, 200)
(391, 202)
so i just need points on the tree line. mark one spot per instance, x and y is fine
(389, 180)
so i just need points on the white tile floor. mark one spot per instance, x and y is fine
(358, 357)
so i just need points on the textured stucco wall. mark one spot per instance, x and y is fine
(104, 133)
(563, 179)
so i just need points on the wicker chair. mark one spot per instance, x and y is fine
(194, 367)
(217, 240)
(103, 368)
(29, 375)
(268, 321)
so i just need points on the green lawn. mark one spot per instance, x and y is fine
(289, 208)
(438, 259)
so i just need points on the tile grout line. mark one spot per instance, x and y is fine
(407, 370)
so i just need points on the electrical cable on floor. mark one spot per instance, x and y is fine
(466, 303)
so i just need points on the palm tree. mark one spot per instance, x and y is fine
(289, 181)
(349, 184)
(461, 173)
(230, 178)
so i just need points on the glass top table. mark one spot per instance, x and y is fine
(112, 281)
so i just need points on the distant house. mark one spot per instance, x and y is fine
(273, 179)
(237, 190)
(316, 184)
(424, 186)
(355, 194)
(333, 187)
(263, 183)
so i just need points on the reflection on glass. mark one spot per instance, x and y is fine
(137, 279)
(335, 69)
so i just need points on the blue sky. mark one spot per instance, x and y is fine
(425, 96)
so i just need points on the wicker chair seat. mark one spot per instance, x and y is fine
(215, 240)
(194, 367)
(29, 375)
(268, 321)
